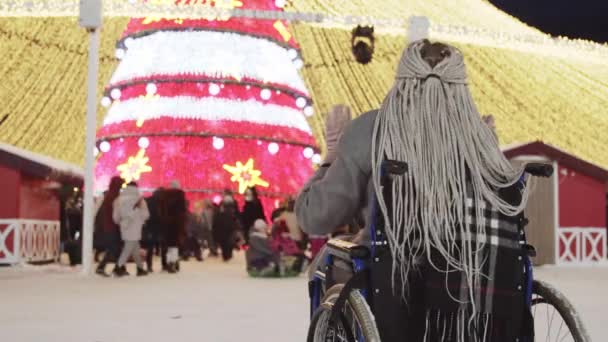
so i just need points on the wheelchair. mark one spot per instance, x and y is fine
(347, 305)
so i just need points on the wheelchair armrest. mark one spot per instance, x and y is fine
(347, 250)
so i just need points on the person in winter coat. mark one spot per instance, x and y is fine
(195, 231)
(225, 228)
(152, 228)
(252, 211)
(130, 213)
(260, 255)
(173, 216)
(108, 230)
(450, 238)
(207, 214)
(289, 216)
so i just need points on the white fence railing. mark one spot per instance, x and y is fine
(28, 241)
(582, 245)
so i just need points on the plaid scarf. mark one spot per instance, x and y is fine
(437, 306)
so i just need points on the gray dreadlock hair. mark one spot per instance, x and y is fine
(430, 121)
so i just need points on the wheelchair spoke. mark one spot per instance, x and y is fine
(546, 323)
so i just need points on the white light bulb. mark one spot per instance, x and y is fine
(273, 148)
(96, 152)
(218, 143)
(104, 146)
(151, 88)
(280, 3)
(143, 142)
(120, 53)
(309, 111)
(248, 87)
(115, 93)
(105, 101)
(316, 159)
(298, 63)
(301, 102)
(265, 94)
(292, 53)
(214, 89)
(308, 153)
(129, 42)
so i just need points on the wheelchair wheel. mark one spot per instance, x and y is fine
(357, 314)
(555, 319)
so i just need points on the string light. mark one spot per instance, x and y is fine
(265, 94)
(104, 147)
(218, 143)
(273, 148)
(301, 102)
(280, 3)
(298, 63)
(309, 111)
(106, 101)
(143, 142)
(151, 88)
(128, 42)
(115, 93)
(316, 159)
(120, 53)
(292, 53)
(308, 152)
(214, 89)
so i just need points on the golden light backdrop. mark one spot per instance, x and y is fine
(557, 92)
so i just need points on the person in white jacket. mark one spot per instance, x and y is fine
(130, 213)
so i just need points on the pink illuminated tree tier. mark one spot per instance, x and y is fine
(213, 103)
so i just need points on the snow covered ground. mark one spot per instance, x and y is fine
(209, 301)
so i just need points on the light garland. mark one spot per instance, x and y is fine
(166, 126)
(207, 109)
(558, 100)
(531, 40)
(232, 91)
(259, 29)
(234, 56)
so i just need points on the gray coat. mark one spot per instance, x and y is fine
(128, 216)
(336, 194)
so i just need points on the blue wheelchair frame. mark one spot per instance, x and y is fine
(342, 250)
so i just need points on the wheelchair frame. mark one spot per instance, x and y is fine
(359, 257)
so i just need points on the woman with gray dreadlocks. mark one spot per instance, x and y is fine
(456, 258)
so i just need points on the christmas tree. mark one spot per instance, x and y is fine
(212, 103)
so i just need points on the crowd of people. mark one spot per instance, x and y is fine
(165, 224)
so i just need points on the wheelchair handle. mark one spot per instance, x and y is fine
(539, 169)
(347, 250)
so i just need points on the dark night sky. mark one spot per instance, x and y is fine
(586, 19)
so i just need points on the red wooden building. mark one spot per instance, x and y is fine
(30, 204)
(568, 211)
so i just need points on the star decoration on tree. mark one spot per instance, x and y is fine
(134, 167)
(245, 175)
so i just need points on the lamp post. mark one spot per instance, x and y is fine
(90, 19)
